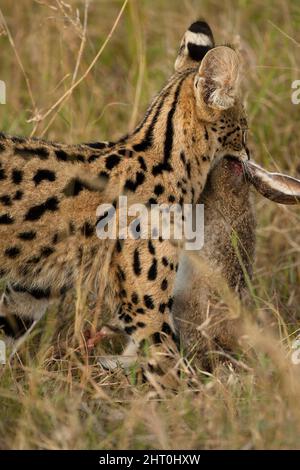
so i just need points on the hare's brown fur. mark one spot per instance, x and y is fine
(227, 256)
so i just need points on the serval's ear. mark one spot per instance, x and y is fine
(218, 79)
(196, 42)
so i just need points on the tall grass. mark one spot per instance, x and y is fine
(54, 395)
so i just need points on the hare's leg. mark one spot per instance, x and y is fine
(20, 309)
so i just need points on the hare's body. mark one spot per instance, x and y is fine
(228, 253)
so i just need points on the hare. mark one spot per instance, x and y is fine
(227, 256)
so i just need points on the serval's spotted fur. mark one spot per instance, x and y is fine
(49, 195)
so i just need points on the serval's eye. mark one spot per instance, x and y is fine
(244, 136)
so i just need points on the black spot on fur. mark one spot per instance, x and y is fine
(152, 200)
(46, 251)
(156, 338)
(126, 152)
(188, 169)
(61, 155)
(170, 302)
(17, 176)
(87, 230)
(30, 235)
(33, 260)
(6, 200)
(93, 157)
(132, 185)
(140, 310)
(40, 294)
(121, 274)
(98, 145)
(152, 273)
(151, 247)
(166, 328)
(74, 187)
(160, 168)
(26, 152)
(148, 301)
(6, 219)
(12, 252)
(158, 189)
(42, 175)
(112, 161)
(36, 212)
(135, 298)
(63, 290)
(182, 158)
(142, 163)
(37, 293)
(130, 329)
(55, 238)
(119, 245)
(164, 284)
(18, 195)
(136, 262)
(127, 319)
(2, 174)
(164, 261)
(162, 308)
(171, 198)
(123, 293)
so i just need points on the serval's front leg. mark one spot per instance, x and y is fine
(146, 272)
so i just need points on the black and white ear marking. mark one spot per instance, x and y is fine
(196, 42)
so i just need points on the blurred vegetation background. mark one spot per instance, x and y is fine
(45, 47)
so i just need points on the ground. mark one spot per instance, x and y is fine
(54, 395)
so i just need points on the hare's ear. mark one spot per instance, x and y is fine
(217, 81)
(196, 42)
(275, 186)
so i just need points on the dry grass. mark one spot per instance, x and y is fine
(64, 400)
